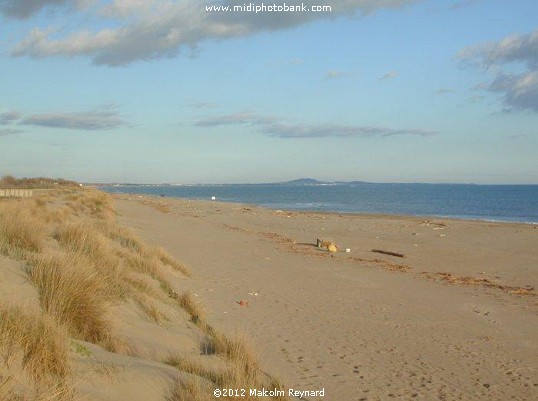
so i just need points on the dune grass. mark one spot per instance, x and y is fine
(38, 338)
(73, 292)
(242, 369)
(192, 390)
(21, 228)
(35, 342)
(192, 307)
(82, 263)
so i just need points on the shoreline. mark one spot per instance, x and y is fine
(328, 212)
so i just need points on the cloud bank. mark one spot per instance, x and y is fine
(26, 8)
(149, 29)
(23, 9)
(7, 117)
(271, 126)
(9, 131)
(92, 120)
(519, 90)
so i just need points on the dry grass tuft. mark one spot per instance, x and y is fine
(117, 344)
(127, 239)
(39, 341)
(238, 350)
(165, 258)
(21, 228)
(193, 368)
(237, 375)
(191, 390)
(72, 292)
(150, 310)
(192, 307)
(81, 238)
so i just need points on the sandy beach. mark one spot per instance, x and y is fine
(455, 319)
(138, 298)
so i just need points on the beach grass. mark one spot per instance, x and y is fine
(82, 264)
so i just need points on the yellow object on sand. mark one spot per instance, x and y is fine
(332, 248)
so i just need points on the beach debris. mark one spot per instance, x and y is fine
(255, 293)
(213, 198)
(326, 244)
(243, 303)
(399, 255)
(323, 243)
(348, 250)
(466, 280)
(383, 263)
(436, 224)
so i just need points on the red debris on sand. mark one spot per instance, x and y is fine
(243, 303)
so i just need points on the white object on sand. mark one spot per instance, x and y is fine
(348, 250)
(213, 198)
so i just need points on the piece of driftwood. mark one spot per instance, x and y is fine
(323, 243)
(400, 255)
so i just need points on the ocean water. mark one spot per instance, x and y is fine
(485, 202)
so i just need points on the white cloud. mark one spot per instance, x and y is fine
(23, 9)
(388, 75)
(236, 118)
(87, 121)
(335, 74)
(513, 48)
(99, 119)
(7, 117)
(518, 136)
(270, 126)
(9, 131)
(151, 29)
(519, 91)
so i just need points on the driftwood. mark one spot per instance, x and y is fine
(400, 255)
(323, 243)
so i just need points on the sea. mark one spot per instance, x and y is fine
(503, 203)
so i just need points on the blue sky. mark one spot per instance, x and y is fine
(162, 91)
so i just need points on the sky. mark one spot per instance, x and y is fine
(155, 91)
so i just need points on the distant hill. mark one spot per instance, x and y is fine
(302, 181)
(298, 182)
(312, 181)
